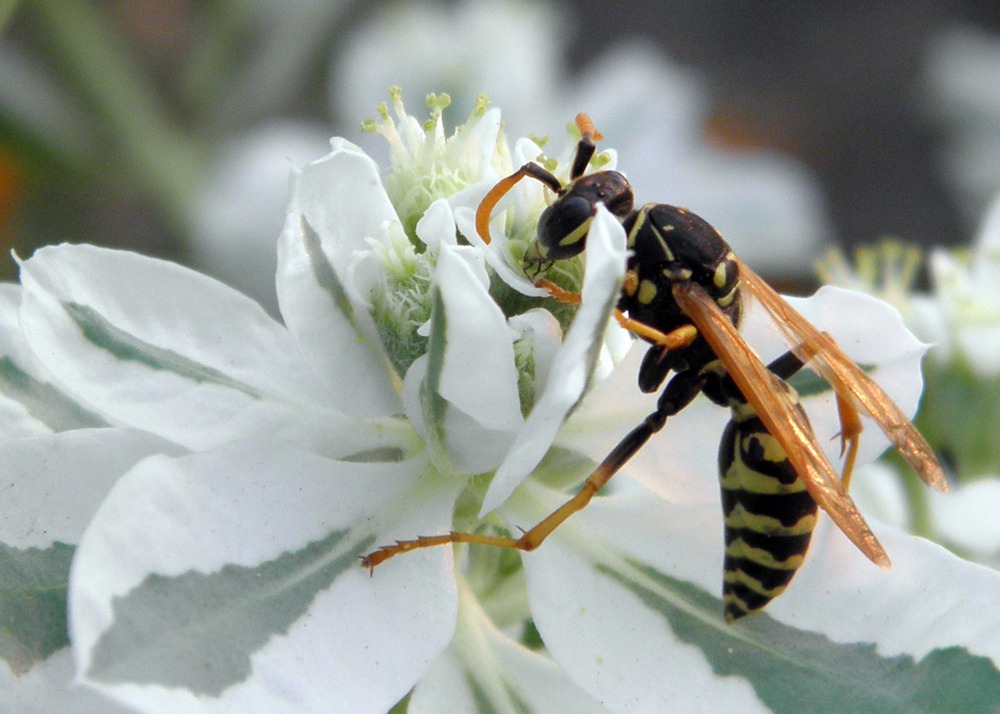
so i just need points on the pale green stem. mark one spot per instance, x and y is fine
(162, 158)
(7, 8)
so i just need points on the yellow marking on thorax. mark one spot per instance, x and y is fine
(727, 299)
(722, 272)
(659, 231)
(647, 292)
(631, 283)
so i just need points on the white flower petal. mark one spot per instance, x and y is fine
(678, 464)
(29, 404)
(543, 330)
(966, 517)
(229, 581)
(54, 484)
(478, 374)
(333, 333)
(879, 492)
(437, 225)
(50, 687)
(574, 363)
(154, 345)
(342, 198)
(609, 639)
(893, 360)
(484, 670)
(16, 422)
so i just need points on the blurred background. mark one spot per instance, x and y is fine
(169, 126)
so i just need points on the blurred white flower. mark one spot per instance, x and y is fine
(959, 318)
(966, 519)
(241, 205)
(963, 94)
(767, 205)
(963, 321)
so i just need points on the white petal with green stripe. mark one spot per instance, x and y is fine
(626, 596)
(337, 204)
(53, 485)
(154, 345)
(203, 579)
(30, 405)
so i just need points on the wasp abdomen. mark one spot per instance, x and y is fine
(769, 516)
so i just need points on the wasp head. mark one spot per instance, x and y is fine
(563, 226)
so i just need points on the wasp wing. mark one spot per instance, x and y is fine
(849, 381)
(785, 423)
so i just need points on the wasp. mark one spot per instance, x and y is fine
(683, 293)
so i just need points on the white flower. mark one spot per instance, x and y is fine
(963, 318)
(230, 469)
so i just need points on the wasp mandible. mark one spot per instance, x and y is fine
(683, 294)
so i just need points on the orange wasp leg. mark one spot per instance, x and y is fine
(850, 420)
(533, 537)
(850, 431)
(681, 337)
(625, 449)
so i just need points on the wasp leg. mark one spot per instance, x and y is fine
(850, 421)
(557, 293)
(679, 392)
(673, 340)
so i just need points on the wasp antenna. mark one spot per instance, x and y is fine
(586, 127)
(503, 186)
(586, 148)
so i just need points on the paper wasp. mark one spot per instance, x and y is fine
(683, 293)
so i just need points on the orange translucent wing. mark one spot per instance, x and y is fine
(785, 423)
(848, 380)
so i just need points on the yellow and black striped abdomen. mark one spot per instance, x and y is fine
(769, 515)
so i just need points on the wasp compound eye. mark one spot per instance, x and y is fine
(563, 227)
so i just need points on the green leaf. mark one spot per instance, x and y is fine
(198, 631)
(33, 603)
